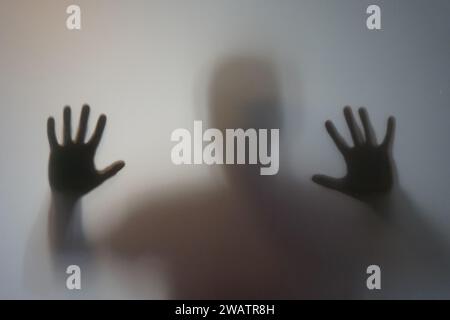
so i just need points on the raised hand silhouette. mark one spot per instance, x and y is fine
(72, 171)
(370, 166)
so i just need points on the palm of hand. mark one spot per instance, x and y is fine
(369, 170)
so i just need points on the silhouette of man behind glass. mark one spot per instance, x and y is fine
(253, 237)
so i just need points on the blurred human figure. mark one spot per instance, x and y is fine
(255, 237)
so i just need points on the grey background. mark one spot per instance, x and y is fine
(146, 65)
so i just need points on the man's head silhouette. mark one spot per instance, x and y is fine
(245, 94)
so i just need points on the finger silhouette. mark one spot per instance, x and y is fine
(329, 182)
(67, 130)
(337, 138)
(111, 170)
(97, 135)
(82, 128)
(352, 125)
(51, 133)
(369, 132)
(390, 133)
